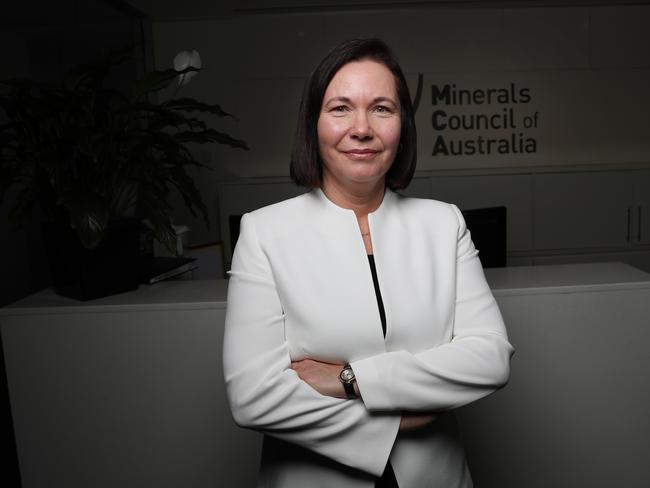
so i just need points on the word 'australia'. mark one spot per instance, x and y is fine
(450, 95)
(515, 144)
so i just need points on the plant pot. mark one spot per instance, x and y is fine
(85, 274)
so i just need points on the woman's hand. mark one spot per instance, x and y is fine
(415, 420)
(322, 377)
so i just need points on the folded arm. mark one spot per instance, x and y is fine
(473, 364)
(324, 378)
(265, 394)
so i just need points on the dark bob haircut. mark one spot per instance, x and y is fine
(306, 166)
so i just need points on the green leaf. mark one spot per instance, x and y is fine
(23, 205)
(192, 105)
(123, 197)
(211, 135)
(157, 80)
(81, 76)
(89, 75)
(88, 216)
(159, 117)
(152, 201)
(190, 193)
(83, 147)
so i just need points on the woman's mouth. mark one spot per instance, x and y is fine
(361, 153)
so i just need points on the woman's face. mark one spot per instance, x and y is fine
(359, 124)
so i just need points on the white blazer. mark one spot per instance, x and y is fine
(301, 287)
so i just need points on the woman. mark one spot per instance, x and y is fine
(357, 318)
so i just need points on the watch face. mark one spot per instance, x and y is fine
(347, 374)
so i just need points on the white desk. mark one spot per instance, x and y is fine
(124, 391)
(565, 278)
(575, 412)
(127, 390)
(187, 294)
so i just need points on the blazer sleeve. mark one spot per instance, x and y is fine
(266, 395)
(473, 364)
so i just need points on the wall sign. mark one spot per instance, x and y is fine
(462, 117)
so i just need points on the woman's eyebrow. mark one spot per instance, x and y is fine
(348, 100)
(384, 99)
(338, 99)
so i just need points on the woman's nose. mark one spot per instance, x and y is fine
(360, 126)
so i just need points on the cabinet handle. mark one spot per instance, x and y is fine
(629, 220)
(638, 225)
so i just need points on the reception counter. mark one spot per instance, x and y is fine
(128, 391)
(575, 412)
(124, 391)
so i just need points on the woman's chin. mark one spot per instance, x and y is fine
(369, 181)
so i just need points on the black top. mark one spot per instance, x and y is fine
(380, 302)
(387, 479)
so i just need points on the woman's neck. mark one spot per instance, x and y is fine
(362, 199)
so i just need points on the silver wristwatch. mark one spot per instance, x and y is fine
(347, 378)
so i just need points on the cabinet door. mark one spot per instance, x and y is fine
(582, 210)
(511, 191)
(125, 395)
(642, 207)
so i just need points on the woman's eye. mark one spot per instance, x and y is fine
(382, 109)
(339, 109)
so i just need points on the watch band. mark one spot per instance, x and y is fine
(347, 378)
(349, 391)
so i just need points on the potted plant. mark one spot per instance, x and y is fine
(98, 161)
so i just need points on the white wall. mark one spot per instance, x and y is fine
(586, 70)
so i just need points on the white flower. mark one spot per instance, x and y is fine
(184, 60)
